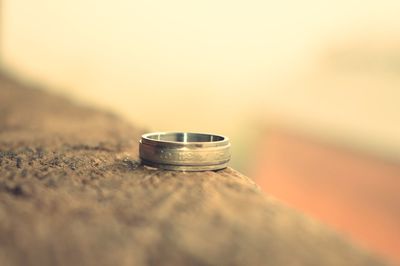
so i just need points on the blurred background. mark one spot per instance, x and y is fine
(308, 91)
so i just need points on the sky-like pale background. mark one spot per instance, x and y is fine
(229, 67)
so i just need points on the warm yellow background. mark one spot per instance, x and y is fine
(330, 67)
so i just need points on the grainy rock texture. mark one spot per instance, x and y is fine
(73, 193)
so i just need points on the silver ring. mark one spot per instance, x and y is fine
(184, 151)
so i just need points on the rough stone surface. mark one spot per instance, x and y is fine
(73, 193)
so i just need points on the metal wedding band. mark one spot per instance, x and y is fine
(182, 151)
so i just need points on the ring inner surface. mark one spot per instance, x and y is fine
(186, 137)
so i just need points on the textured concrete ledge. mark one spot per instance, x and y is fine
(73, 193)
